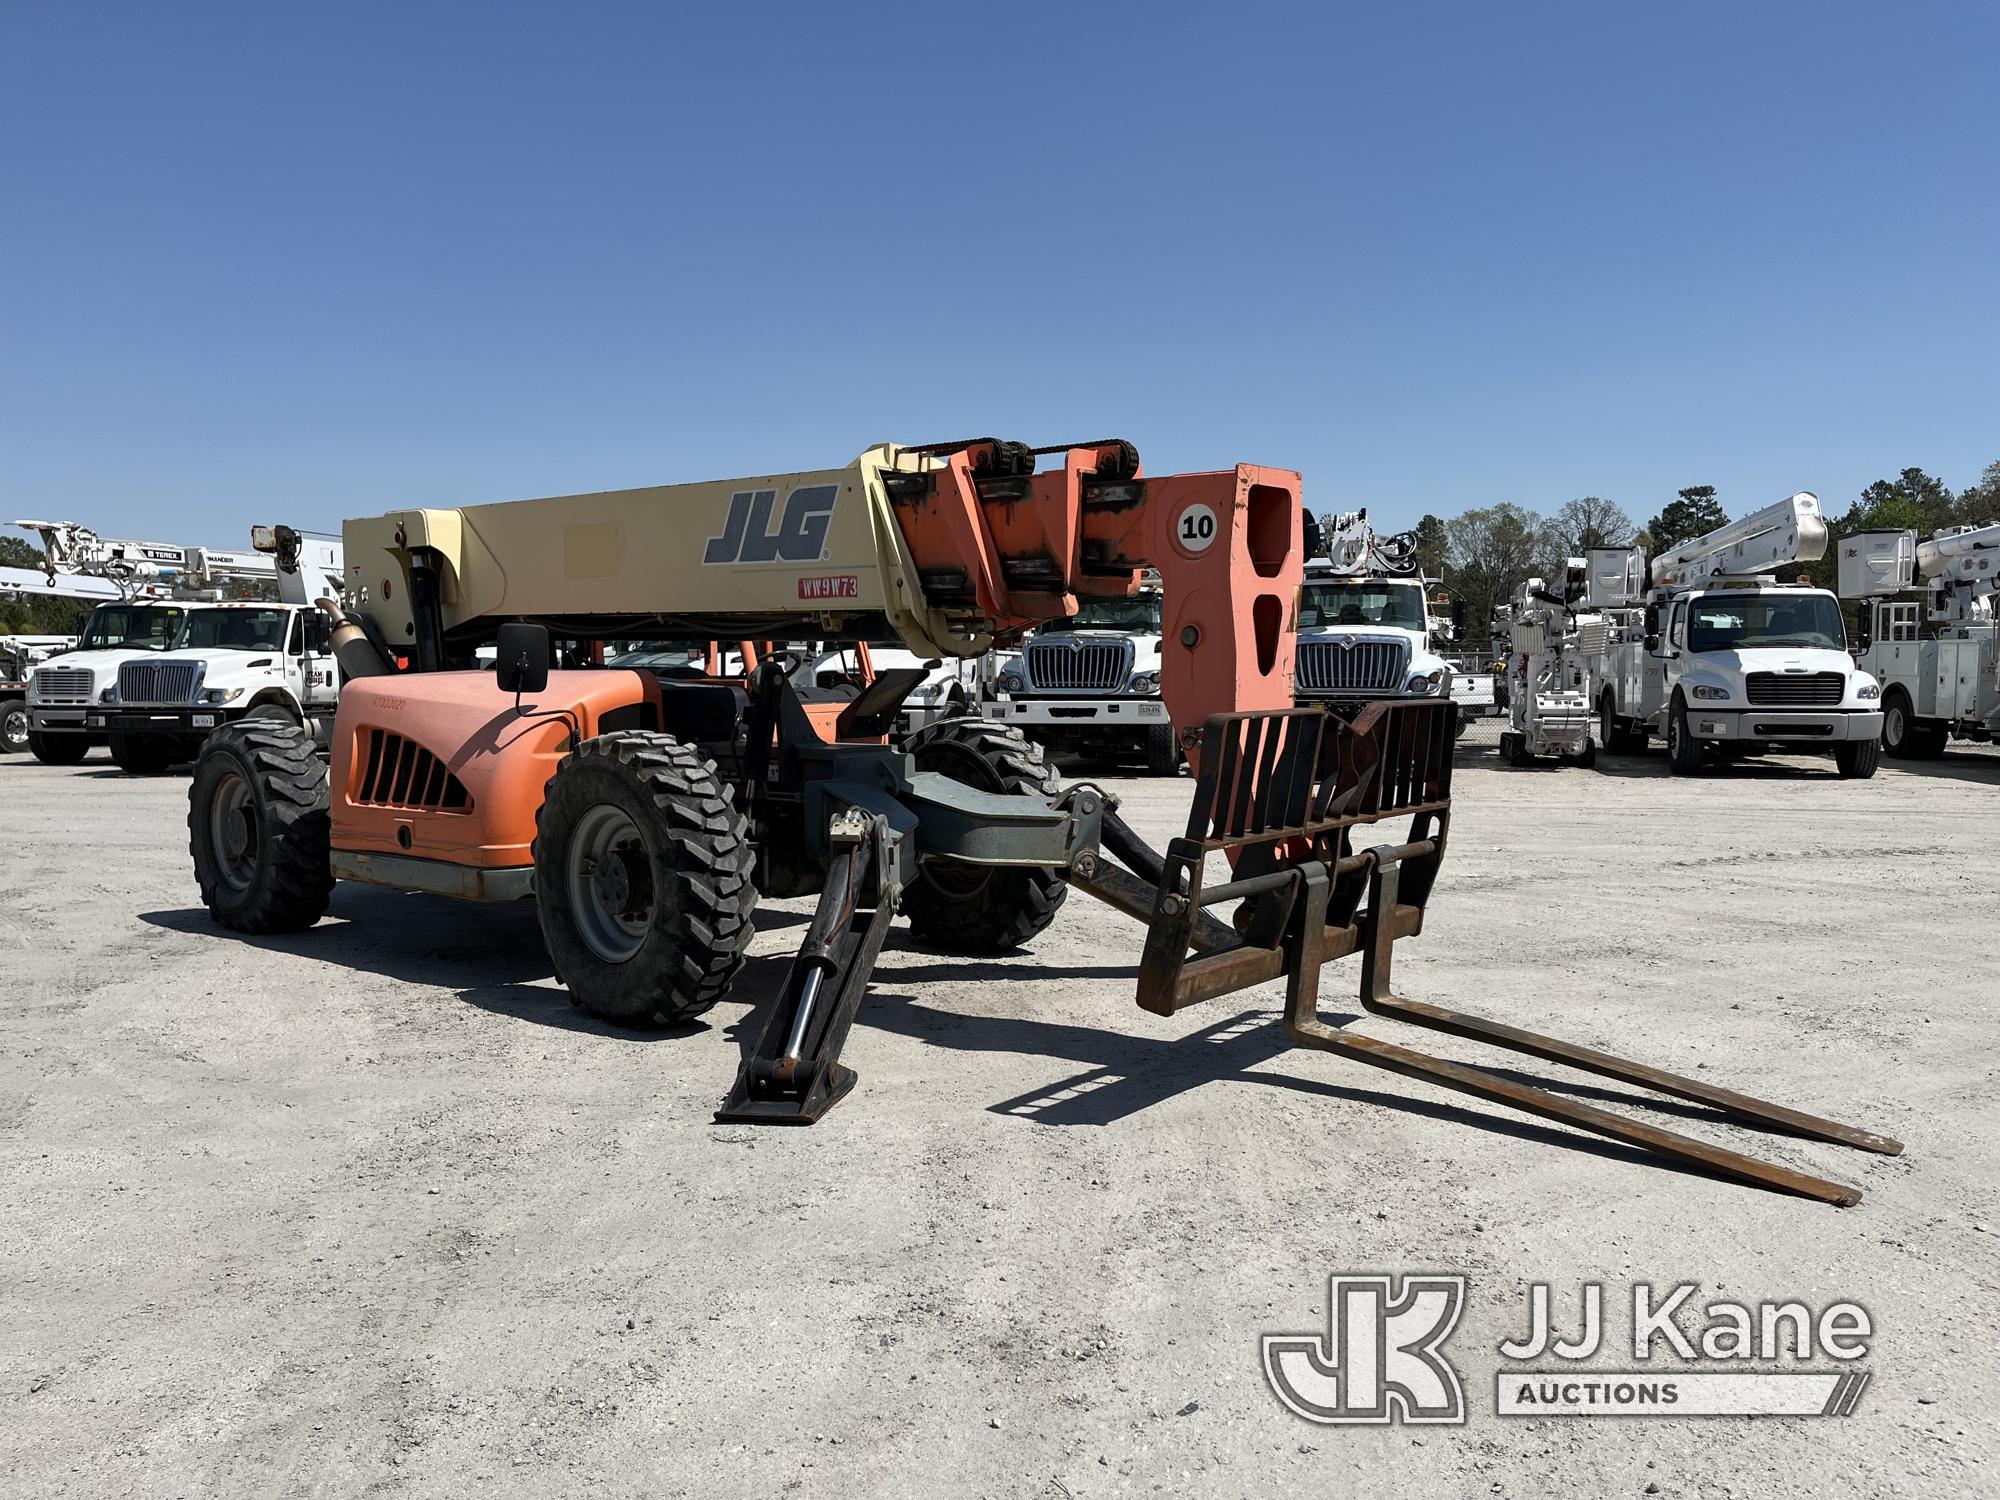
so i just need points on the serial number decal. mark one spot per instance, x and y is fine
(841, 586)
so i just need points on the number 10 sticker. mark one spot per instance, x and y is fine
(1196, 528)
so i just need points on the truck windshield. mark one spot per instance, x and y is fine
(130, 627)
(1361, 601)
(235, 629)
(1736, 622)
(1140, 615)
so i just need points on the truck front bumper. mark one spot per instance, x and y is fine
(157, 719)
(1785, 725)
(1081, 713)
(57, 720)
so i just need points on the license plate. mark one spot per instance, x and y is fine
(204, 721)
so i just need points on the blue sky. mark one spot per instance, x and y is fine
(273, 262)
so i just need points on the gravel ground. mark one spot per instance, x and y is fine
(370, 1210)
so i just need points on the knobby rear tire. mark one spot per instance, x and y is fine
(687, 858)
(258, 828)
(982, 909)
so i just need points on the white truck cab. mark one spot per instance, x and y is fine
(1365, 622)
(230, 661)
(1091, 685)
(1723, 660)
(64, 690)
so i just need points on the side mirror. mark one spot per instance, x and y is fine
(319, 633)
(521, 659)
(1652, 645)
(1864, 635)
(1652, 621)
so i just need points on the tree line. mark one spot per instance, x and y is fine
(1485, 553)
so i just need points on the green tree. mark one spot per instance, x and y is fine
(1433, 546)
(1694, 514)
(1980, 505)
(17, 553)
(1492, 551)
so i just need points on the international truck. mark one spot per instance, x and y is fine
(1365, 626)
(1089, 684)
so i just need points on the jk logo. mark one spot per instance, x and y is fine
(1378, 1360)
(800, 537)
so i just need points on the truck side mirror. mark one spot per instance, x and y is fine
(1864, 633)
(1458, 619)
(1652, 621)
(319, 633)
(1652, 645)
(521, 658)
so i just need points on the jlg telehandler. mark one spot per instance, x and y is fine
(643, 812)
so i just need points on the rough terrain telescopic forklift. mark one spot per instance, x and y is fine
(644, 812)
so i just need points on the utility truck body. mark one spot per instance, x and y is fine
(1938, 659)
(1722, 660)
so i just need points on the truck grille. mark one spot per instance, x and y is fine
(1077, 666)
(1796, 689)
(396, 772)
(1352, 666)
(158, 682)
(62, 685)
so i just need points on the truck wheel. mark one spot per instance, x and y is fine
(14, 726)
(1163, 750)
(58, 749)
(1683, 749)
(982, 908)
(258, 828)
(142, 754)
(642, 879)
(1857, 759)
(271, 713)
(1904, 735)
(1618, 736)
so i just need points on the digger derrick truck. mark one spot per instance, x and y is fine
(1940, 686)
(643, 813)
(1365, 627)
(1722, 660)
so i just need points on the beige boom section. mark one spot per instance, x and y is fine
(823, 544)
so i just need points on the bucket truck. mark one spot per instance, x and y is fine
(131, 685)
(1365, 621)
(1722, 660)
(1551, 644)
(1945, 685)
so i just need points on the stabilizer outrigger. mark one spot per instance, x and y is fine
(1281, 796)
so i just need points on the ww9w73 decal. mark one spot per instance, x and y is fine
(799, 536)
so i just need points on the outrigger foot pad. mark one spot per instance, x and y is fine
(794, 1075)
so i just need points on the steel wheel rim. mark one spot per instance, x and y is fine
(1893, 723)
(610, 880)
(234, 831)
(14, 727)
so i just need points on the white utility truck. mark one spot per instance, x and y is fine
(152, 675)
(1090, 684)
(1723, 661)
(1940, 686)
(1365, 622)
(1552, 645)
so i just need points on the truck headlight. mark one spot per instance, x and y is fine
(1144, 683)
(1703, 690)
(1869, 692)
(221, 695)
(1423, 682)
(1010, 682)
